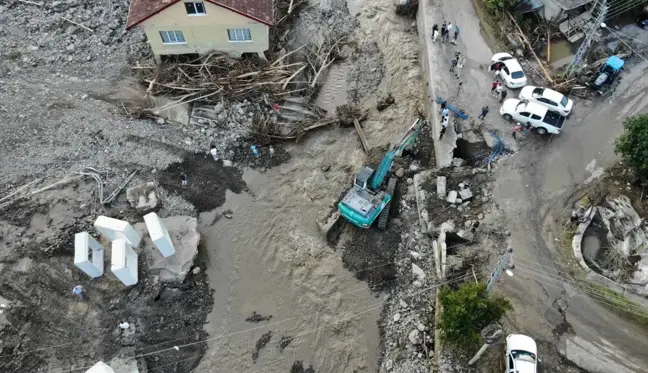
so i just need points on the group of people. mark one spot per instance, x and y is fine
(446, 29)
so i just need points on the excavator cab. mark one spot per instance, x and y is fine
(362, 177)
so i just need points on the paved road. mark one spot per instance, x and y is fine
(544, 173)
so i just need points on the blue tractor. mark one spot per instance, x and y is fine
(606, 80)
(370, 196)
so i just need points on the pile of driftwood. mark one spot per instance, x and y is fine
(266, 129)
(215, 75)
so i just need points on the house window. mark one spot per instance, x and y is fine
(195, 8)
(239, 34)
(172, 37)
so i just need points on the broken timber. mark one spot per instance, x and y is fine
(526, 41)
(459, 113)
(363, 139)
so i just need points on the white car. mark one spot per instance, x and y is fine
(509, 70)
(521, 354)
(532, 114)
(555, 101)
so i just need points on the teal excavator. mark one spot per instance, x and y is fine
(370, 196)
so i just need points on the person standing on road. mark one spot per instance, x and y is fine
(460, 64)
(498, 90)
(183, 179)
(214, 152)
(453, 65)
(456, 35)
(494, 86)
(444, 31)
(448, 30)
(503, 95)
(79, 291)
(445, 112)
(444, 126)
(484, 112)
(435, 32)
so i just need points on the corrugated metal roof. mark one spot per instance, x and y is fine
(528, 6)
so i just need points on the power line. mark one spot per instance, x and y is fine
(587, 292)
(461, 278)
(369, 309)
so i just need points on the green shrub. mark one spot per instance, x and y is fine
(467, 311)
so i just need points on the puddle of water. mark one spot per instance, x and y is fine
(559, 50)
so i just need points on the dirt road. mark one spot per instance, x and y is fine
(545, 173)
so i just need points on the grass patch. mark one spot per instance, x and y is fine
(620, 304)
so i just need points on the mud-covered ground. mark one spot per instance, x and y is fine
(46, 324)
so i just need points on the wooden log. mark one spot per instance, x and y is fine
(526, 41)
(78, 24)
(363, 139)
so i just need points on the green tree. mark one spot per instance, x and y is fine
(467, 311)
(499, 4)
(633, 144)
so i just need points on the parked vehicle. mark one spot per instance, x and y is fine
(531, 113)
(555, 101)
(509, 69)
(642, 21)
(521, 354)
(607, 79)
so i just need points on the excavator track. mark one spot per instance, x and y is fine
(384, 214)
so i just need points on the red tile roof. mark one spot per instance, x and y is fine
(258, 10)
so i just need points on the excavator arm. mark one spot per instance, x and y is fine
(386, 162)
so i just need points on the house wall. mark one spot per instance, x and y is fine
(204, 33)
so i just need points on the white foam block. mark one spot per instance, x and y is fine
(100, 367)
(159, 234)
(115, 229)
(124, 262)
(83, 245)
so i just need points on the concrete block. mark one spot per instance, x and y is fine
(183, 231)
(441, 186)
(142, 196)
(124, 262)
(115, 229)
(88, 255)
(465, 194)
(100, 367)
(452, 196)
(159, 234)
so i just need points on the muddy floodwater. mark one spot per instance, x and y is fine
(267, 256)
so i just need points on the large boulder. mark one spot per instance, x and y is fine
(183, 231)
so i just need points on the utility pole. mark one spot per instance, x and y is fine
(492, 334)
(505, 264)
(583, 50)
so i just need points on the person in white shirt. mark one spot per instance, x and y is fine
(214, 152)
(444, 125)
(448, 29)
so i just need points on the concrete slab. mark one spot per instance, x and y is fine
(142, 196)
(441, 183)
(88, 255)
(124, 262)
(159, 234)
(115, 229)
(183, 231)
